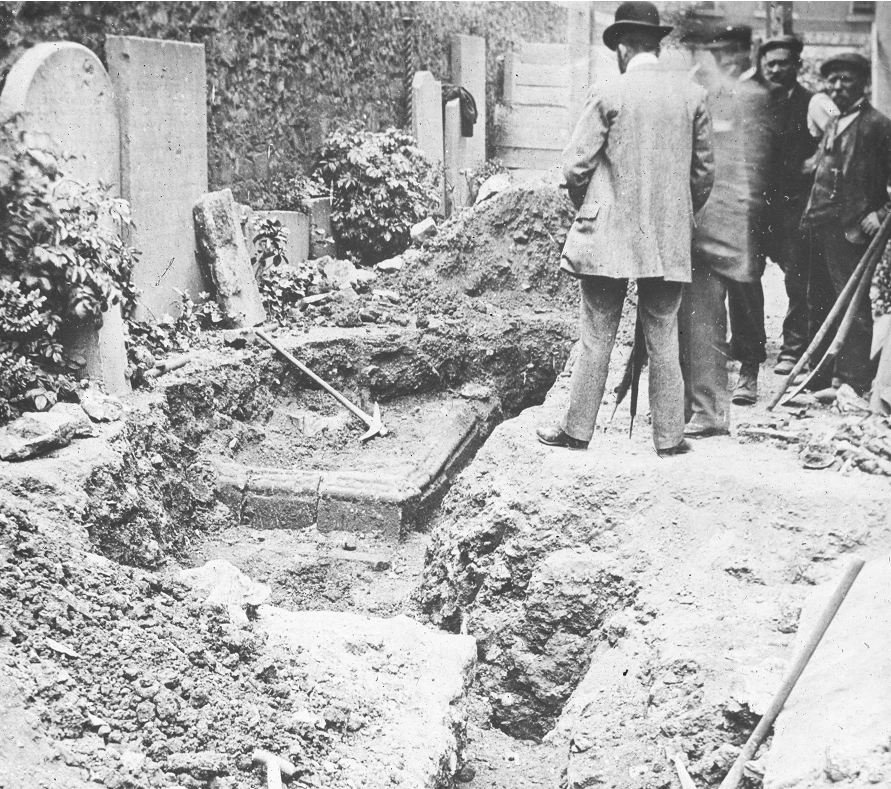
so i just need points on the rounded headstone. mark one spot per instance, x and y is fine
(63, 100)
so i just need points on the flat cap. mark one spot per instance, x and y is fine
(795, 45)
(851, 60)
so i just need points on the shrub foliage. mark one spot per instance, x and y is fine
(382, 184)
(62, 264)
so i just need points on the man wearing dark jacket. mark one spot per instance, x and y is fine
(790, 144)
(848, 202)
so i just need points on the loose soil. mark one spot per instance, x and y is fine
(572, 570)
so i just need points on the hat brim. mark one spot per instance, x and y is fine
(835, 63)
(612, 33)
(769, 46)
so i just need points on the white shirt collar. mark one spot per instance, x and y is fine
(642, 59)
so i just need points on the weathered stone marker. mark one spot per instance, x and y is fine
(223, 253)
(321, 228)
(65, 102)
(455, 182)
(469, 72)
(426, 98)
(298, 227)
(161, 89)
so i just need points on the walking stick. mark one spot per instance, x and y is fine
(638, 359)
(870, 258)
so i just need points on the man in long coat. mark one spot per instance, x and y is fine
(728, 233)
(639, 163)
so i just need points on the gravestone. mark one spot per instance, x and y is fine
(321, 228)
(455, 182)
(881, 58)
(161, 88)
(298, 227)
(426, 115)
(469, 72)
(223, 252)
(65, 102)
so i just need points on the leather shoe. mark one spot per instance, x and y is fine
(784, 366)
(692, 430)
(555, 436)
(678, 449)
(746, 391)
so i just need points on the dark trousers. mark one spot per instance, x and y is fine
(834, 260)
(601, 309)
(788, 247)
(702, 329)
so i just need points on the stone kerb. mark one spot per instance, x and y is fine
(65, 102)
(161, 89)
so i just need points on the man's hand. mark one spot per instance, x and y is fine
(870, 224)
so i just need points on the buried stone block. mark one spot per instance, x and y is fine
(298, 227)
(223, 253)
(322, 230)
(276, 499)
(362, 501)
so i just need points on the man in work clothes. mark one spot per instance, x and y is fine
(727, 237)
(790, 145)
(639, 165)
(848, 203)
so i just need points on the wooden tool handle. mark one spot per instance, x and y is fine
(873, 251)
(731, 781)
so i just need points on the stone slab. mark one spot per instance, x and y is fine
(401, 685)
(298, 226)
(321, 228)
(469, 71)
(277, 499)
(363, 502)
(161, 89)
(223, 253)
(881, 58)
(835, 728)
(64, 101)
(455, 181)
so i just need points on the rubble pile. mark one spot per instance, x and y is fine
(138, 683)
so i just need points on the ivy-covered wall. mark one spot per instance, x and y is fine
(281, 74)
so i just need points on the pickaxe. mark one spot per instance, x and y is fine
(275, 766)
(375, 427)
(732, 779)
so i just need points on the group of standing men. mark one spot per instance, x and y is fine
(688, 185)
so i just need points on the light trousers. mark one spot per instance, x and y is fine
(601, 309)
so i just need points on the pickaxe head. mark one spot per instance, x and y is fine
(375, 427)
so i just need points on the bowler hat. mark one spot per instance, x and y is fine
(794, 45)
(634, 15)
(851, 60)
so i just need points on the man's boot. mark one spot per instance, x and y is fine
(746, 392)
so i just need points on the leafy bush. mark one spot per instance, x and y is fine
(282, 284)
(62, 264)
(382, 185)
(281, 192)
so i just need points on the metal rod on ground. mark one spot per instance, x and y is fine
(373, 422)
(875, 248)
(732, 779)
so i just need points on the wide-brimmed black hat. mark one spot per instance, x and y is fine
(852, 60)
(794, 45)
(634, 15)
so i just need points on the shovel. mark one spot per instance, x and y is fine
(855, 290)
(732, 779)
(373, 422)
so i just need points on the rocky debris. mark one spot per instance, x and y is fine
(222, 584)
(492, 186)
(101, 407)
(858, 443)
(343, 274)
(223, 253)
(835, 727)
(34, 434)
(391, 264)
(426, 228)
(395, 688)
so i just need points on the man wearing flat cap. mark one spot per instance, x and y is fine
(848, 202)
(638, 167)
(790, 143)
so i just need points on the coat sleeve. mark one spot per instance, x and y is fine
(588, 139)
(702, 165)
